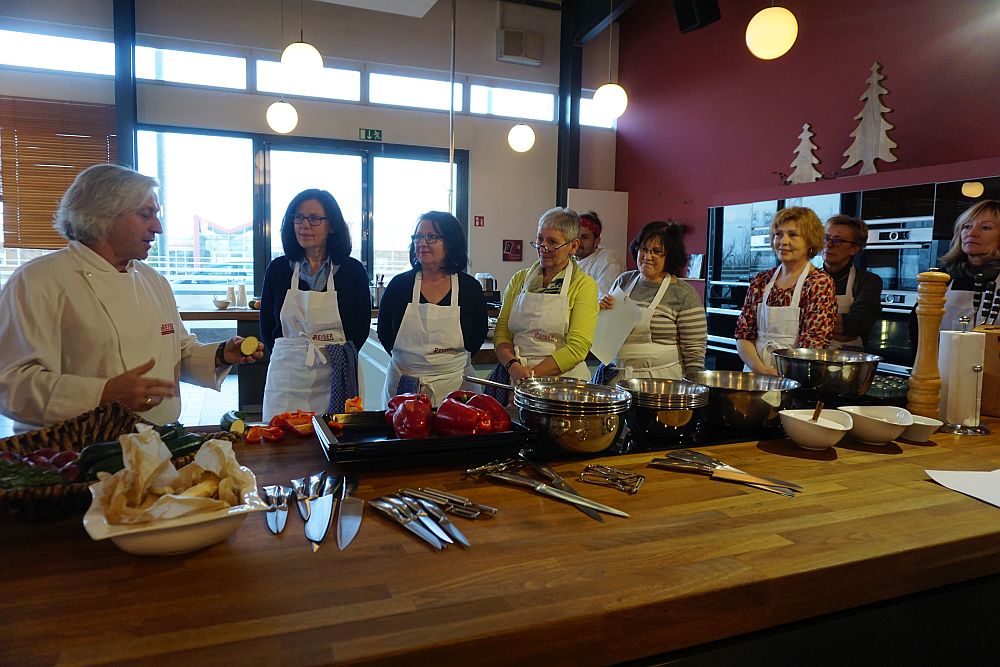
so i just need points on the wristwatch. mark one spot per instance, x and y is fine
(220, 356)
(510, 363)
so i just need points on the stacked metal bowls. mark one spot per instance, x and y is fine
(662, 410)
(577, 416)
(828, 373)
(744, 399)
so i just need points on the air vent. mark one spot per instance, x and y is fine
(519, 46)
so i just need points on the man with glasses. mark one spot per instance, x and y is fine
(859, 291)
(602, 264)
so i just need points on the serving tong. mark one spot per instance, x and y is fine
(629, 482)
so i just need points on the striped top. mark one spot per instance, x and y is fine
(679, 318)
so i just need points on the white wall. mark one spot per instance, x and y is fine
(511, 190)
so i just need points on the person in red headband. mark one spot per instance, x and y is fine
(600, 263)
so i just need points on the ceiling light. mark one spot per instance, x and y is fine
(301, 55)
(973, 189)
(610, 99)
(521, 138)
(282, 117)
(771, 33)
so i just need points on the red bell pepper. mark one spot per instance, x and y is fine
(336, 427)
(412, 418)
(253, 435)
(298, 422)
(456, 418)
(354, 405)
(272, 433)
(499, 418)
(396, 400)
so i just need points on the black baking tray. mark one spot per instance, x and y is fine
(369, 442)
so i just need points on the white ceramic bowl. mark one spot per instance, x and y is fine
(172, 536)
(827, 431)
(922, 429)
(221, 304)
(878, 424)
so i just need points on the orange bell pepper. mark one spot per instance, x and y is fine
(354, 405)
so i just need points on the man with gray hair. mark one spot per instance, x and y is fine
(91, 324)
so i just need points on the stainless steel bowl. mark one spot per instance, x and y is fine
(662, 411)
(550, 392)
(830, 373)
(744, 399)
(665, 394)
(577, 416)
(581, 434)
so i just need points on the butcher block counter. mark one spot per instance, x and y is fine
(698, 561)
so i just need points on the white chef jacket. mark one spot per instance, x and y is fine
(604, 266)
(69, 321)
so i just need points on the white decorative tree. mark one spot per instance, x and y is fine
(802, 167)
(871, 138)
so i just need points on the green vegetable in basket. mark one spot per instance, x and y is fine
(18, 474)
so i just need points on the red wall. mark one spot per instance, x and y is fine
(708, 123)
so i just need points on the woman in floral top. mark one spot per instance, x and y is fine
(792, 305)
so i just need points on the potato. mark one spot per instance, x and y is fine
(249, 346)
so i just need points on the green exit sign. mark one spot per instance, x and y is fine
(366, 134)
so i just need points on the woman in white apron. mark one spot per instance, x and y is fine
(546, 324)
(677, 347)
(975, 250)
(860, 304)
(431, 317)
(315, 311)
(793, 305)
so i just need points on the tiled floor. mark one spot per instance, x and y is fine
(199, 406)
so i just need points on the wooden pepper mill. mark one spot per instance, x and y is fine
(924, 396)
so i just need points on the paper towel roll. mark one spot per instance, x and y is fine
(961, 386)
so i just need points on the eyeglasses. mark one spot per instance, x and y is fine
(314, 220)
(430, 239)
(655, 252)
(541, 247)
(836, 242)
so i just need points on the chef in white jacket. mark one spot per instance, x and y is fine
(601, 264)
(90, 324)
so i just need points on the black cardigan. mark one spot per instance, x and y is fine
(354, 299)
(471, 302)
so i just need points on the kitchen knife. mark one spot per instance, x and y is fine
(559, 494)
(350, 511)
(443, 521)
(724, 475)
(977, 297)
(409, 506)
(327, 440)
(407, 522)
(276, 496)
(558, 482)
(306, 488)
(321, 512)
(699, 458)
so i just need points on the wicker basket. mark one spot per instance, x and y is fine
(106, 422)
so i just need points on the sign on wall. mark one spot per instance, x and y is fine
(513, 250)
(368, 134)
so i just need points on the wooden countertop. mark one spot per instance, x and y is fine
(699, 560)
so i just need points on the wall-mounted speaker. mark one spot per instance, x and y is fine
(694, 14)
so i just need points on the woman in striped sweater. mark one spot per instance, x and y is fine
(669, 339)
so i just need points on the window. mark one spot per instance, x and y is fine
(330, 83)
(66, 54)
(206, 212)
(589, 115)
(202, 69)
(511, 102)
(406, 91)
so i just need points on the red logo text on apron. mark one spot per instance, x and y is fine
(166, 329)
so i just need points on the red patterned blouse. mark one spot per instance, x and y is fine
(817, 308)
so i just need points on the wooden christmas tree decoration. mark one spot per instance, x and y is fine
(802, 167)
(871, 138)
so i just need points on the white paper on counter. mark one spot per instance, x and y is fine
(983, 486)
(613, 326)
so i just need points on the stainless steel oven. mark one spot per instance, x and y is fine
(898, 249)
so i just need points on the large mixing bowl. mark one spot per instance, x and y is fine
(744, 399)
(829, 373)
(577, 416)
(662, 411)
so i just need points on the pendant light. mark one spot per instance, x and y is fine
(973, 189)
(521, 137)
(282, 117)
(301, 55)
(771, 33)
(610, 99)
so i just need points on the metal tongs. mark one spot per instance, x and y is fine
(687, 460)
(629, 482)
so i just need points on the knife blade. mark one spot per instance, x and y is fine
(409, 523)
(443, 521)
(306, 488)
(327, 440)
(545, 489)
(276, 496)
(321, 512)
(724, 475)
(558, 482)
(410, 507)
(697, 457)
(350, 511)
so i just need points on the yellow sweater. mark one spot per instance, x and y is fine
(583, 309)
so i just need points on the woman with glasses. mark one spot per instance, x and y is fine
(315, 310)
(792, 305)
(669, 339)
(433, 317)
(546, 324)
(859, 292)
